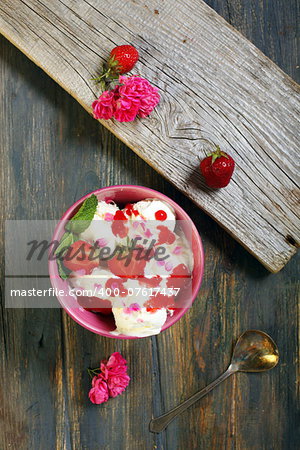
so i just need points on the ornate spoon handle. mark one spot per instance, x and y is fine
(160, 423)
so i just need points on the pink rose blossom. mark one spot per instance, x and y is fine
(117, 384)
(116, 359)
(140, 88)
(133, 97)
(99, 391)
(103, 107)
(116, 365)
(126, 107)
(112, 379)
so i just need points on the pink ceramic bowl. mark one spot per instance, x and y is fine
(98, 323)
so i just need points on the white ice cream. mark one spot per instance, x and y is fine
(139, 323)
(144, 225)
(104, 208)
(140, 293)
(100, 227)
(147, 209)
(91, 284)
(178, 253)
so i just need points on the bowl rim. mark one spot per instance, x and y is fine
(52, 263)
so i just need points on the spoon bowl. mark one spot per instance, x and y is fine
(255, 351)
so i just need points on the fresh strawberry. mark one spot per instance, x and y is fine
(165, 235)
(81, 256)
(116, 286)
(151, 282)
(160, 301)
(118, 226)
(180, 278)
(217, 169)
(130, 266)
(123, 59)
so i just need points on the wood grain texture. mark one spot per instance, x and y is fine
(52, 153)
(215, 85)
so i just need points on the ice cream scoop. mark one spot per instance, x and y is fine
(100, 227)
(156, 210)
(139, 322)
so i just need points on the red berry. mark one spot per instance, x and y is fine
(123, 58)
(129, 208)
(217, 169)
(160, 215)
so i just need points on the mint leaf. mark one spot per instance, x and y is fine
(65, 242)
(76, 225)
(82, 219)
(62, 270)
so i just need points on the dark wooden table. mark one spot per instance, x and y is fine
(52, 154)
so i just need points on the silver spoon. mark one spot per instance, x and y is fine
(254, 351)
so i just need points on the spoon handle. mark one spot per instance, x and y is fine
(160, 423)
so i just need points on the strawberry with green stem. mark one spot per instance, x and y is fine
(217, 168)
(121, 60)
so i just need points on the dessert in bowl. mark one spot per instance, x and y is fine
(134, 269)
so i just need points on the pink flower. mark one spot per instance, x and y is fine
(116, 360)
(140, 88)
(103, 107)
(117, 384)
(99, 391)
(115, 366)
(125, 107)
(111, 381)
(133, 97)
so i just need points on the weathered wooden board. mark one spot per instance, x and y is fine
(215, 85)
